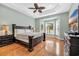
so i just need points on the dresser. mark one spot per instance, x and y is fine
(6, 39)
(71, 46)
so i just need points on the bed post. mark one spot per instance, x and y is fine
(44, 36)
(30, 49)
(13, 31)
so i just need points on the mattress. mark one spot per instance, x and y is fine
(22, 38)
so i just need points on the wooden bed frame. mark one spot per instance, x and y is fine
(32, 41)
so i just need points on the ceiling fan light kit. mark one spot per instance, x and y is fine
(37, 8)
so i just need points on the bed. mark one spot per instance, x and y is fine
(26, 35)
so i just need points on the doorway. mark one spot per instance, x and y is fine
(50, 27)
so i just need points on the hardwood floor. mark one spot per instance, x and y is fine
(51, 47)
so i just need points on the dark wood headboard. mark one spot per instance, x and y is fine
(20, 27)
(14, 26)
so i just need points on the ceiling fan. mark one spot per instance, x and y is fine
(37, 8)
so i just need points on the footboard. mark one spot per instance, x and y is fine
(30, 47)
(34, 41)
(44, 36)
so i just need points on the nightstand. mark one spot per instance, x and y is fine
(5, 40)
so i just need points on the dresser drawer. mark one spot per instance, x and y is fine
(74, 50)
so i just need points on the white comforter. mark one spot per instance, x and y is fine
(24, 36)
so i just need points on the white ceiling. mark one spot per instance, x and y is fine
(51, 8)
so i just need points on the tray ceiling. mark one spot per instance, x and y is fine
(50, 8)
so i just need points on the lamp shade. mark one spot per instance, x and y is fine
(5, 28)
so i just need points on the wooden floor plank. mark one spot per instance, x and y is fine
(51, 47)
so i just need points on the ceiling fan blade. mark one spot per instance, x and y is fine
(36, 5)
(31, 8)
(34, 11)
(41, 7)
(39, 11)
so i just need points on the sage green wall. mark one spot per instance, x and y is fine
(37, 25)
(10, 16)
(64, 17)
(64, 25)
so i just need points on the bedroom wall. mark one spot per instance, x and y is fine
(10, 16)
(64, 17)
(37, 25)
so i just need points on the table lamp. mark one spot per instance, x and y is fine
(5, 29)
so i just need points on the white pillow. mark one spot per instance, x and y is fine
(20, 31)
(28, 31)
